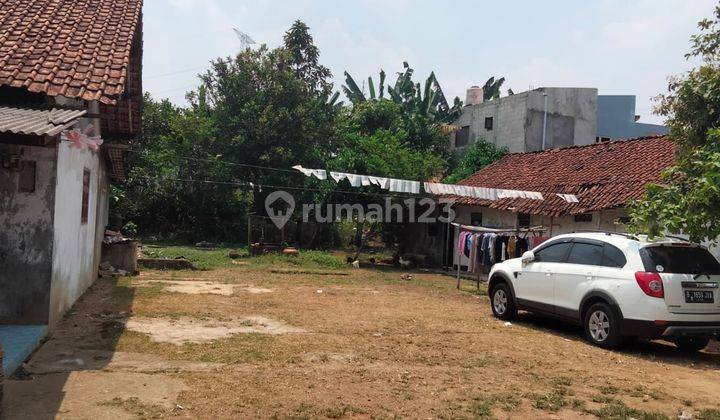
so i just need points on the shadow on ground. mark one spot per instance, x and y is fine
(85, 340)
(656, 350)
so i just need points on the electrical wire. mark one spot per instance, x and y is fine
(172, 73)
(246, 165)
(277, 187)
(172, 90)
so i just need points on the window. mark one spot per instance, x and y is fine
(85, 196)
(26, 180)
(476, 219)
(523, 220)
(553, 253)
(489, 123)
(585, 217)
(613, 257)
(679, 259)
(587, 254)
(462, 137)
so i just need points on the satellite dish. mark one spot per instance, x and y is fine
(244, 38)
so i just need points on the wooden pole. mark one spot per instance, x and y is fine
(458, 258)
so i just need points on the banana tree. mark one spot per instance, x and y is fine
(491, 89)
(427, 101)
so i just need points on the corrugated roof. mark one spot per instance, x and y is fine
(74, 48)
(602, 176)
(37, 122)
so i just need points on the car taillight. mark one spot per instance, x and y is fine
(650, 283)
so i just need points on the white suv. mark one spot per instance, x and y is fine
(616, 286)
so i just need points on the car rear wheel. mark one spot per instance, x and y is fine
(502, 303)
(691, 344)
(602, 326)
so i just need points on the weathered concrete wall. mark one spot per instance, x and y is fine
(518, 119)
(571, 117)
(508, 114)
(26, 238)
(75, 256)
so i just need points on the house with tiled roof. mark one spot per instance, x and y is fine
(583, 187)
(70, 98)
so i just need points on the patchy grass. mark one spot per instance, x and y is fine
(203, 259)
(481, 406)
(620, 411)
(609, 390)
(208, 259)
(306, 259)
(709, 414)
(550, 402)
(394, 348)
(641, 391)
(562, 381)
(137, 408)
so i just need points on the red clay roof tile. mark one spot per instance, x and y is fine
(602, 176)
(54, 46)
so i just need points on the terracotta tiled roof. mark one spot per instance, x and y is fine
(602, 176)
(74, 48)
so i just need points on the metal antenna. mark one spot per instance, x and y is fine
(244, 38)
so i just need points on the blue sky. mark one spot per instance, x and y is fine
(618, 46)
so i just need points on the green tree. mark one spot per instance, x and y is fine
(479, 155)
(687, 199)
(375, 140)
(261, 108)
(305, 58)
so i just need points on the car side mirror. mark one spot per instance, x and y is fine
(528, 257)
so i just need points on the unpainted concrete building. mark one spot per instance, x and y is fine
(530, 121)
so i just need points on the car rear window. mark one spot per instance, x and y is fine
(613, 257)
(679, 259)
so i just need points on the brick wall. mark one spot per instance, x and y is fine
(123, 119)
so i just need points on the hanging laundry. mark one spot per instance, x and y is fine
(404, 186)
(461, 243)
(511, 246)
(381, 182)
(570, 198)
(317, 173)
(473, 250)
(468, 244)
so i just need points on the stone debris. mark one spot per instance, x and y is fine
(105, 270)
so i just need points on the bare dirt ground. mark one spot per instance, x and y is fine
(363, 344)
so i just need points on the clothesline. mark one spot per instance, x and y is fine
(483, 229)
(407, 186)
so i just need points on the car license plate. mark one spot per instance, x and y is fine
(696, 296)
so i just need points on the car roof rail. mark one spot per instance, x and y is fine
(677, 237)
(607, 232)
